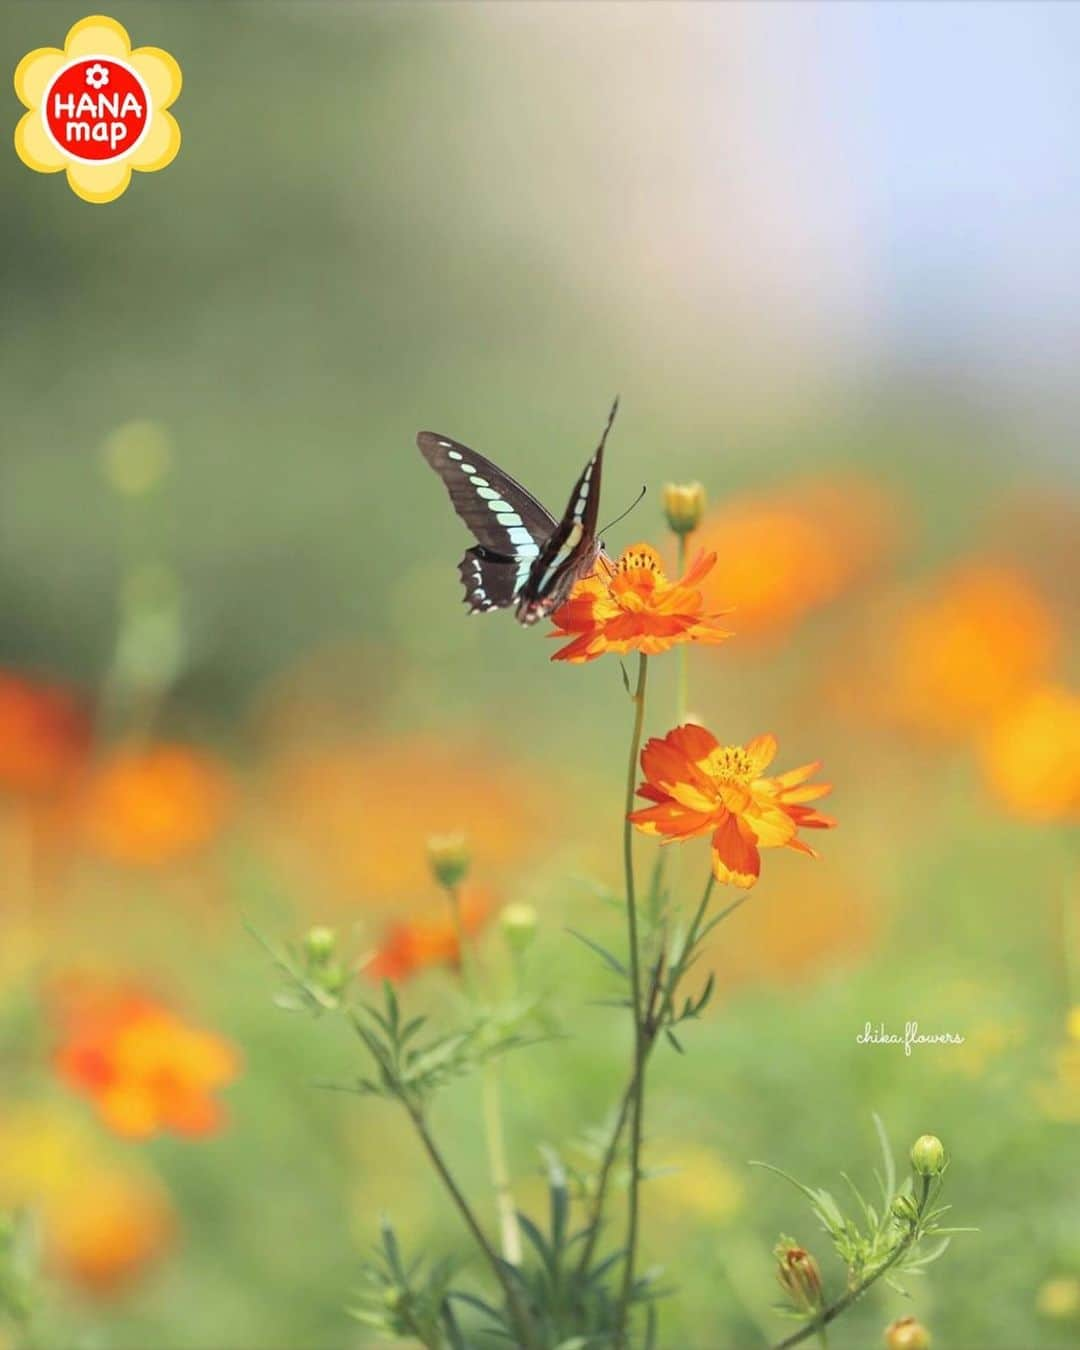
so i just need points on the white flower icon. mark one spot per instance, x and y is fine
(97, 76)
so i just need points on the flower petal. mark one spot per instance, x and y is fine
(761, 751)
(97, 35)
(736, 860)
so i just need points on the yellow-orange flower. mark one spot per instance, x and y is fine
(146, 806)
(960, 653)
(146, 1070)
(44, 736)
(103, 1222)
(1031, 755)
(698, 786)
(636, 608)
(104, 1231)
(419, 944)
(359, 814)
(784, 554)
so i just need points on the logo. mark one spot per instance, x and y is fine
(97, 109)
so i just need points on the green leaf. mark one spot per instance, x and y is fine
(608, 958)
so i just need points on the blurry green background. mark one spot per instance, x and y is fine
(828, 256)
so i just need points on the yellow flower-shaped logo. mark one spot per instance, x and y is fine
(97, 109)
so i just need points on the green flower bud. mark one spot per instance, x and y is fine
(332, 978)
(905, 1208)
(448, 856)
(928, 1155)
(319, 945)
(684, 505)
(907, 1334)
(518, 923)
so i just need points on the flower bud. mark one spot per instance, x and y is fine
(518, 924)
(684, 505)
(799, 1274)
(319, 945)
(928, 1155)
(332, 978)
(448, 857)
(907, 1334)
(905, 1208)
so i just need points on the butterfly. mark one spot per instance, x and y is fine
(523, 556)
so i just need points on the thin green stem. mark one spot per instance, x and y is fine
(682, 657)
(518, 1312)
(657, 1022)
(453, 896)
(510, 1234)
(498, 1166)
(817, 1325)
(640, 1051)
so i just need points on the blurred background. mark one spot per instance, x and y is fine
(830, 257)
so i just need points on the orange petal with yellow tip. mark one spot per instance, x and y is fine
(736, 859)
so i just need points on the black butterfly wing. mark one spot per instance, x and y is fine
(490, 581)
(570, 550)
(484, 496)
(509, 524)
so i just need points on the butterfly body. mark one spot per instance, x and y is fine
(523, 557)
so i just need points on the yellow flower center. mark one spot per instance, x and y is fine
(731, 764)
(642, 559)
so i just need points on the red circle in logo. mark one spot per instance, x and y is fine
(96, 109)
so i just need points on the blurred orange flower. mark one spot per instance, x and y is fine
(145, 1069)
(787, 553)
(813, 924)
(104, 1231)
(102, 1223)
(146, 806)
(362, 813)
(959, 653)
(636, 609)
(701, 787)
(1031, 754)
(418, 944)
(45, 734)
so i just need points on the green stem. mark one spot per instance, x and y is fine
(453, 896)
(493, 1127)
(500, 1170)
(518, 1312)
(817, 1326)
(640, 1051)
(682, 658)
(610, 1154)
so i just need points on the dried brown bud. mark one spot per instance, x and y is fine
(799, 1274)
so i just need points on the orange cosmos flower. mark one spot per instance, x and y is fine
(147, 806)
(145, 1069)
(958, 655)
(1031, 755)
(103, 1223)
(698, 786)
(636, 608)
(787, 553)
(102, 1233)
(44, 736)
(359, 813)
(407, 948)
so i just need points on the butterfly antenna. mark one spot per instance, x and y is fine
(634, 503)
